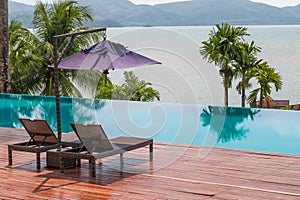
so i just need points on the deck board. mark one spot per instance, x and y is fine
(179, 172)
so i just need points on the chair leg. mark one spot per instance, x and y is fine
(92, 163)
(78, 162)
(151, 151)
(38, 161)
(61, 164)
(100, 162)
(121, 162)
(9, 156)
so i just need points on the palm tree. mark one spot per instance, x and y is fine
(265, 76)
(50, 20)
(245, 61)
(4, 45)
(25, 61)
(220, 49)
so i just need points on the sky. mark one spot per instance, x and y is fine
(278, 3)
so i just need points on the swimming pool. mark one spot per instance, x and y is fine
(226, 127)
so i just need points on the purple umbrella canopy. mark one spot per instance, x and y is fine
(105, 55)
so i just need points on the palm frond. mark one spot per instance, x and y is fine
(253, 98)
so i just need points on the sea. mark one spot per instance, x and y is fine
(185, 77)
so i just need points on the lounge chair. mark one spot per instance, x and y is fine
(42, 139)
(96, 145)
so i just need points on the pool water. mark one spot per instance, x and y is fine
(227, 127)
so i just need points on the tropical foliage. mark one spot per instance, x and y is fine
(33, 52)
(221, 48)
(245, 60)
(132, 89)
(266, 76)
(237, 59)
(25, 60)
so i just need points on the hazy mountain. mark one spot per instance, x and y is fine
(129, 14)
(207, 12)
(21, 12)
(295, 11)
(196, 12)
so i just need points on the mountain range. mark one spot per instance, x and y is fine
(112, 13)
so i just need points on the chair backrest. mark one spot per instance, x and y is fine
(93, 137)
(39, 130)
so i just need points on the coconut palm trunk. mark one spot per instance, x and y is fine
(4, 42)
(243, 97)
(226, 93)
(243, 103)
(261, 98)
(226, 73)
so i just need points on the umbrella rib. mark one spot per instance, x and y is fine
(80, 33)
(96, 62)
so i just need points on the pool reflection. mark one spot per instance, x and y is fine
(227, 122)
(77, 110)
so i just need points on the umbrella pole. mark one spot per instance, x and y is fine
(56, 88)
(56, 72)
(105, 72)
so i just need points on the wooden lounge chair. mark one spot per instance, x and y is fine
(96, 145)
(42, 139)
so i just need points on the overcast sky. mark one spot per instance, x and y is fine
(279, 3)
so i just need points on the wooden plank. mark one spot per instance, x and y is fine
(179, 172)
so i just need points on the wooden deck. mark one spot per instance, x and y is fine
(180, 172)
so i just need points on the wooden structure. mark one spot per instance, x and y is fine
(179, 172)
(278, 104)
(295, 107)
(275, 104)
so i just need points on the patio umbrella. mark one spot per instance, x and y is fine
(104, 55)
